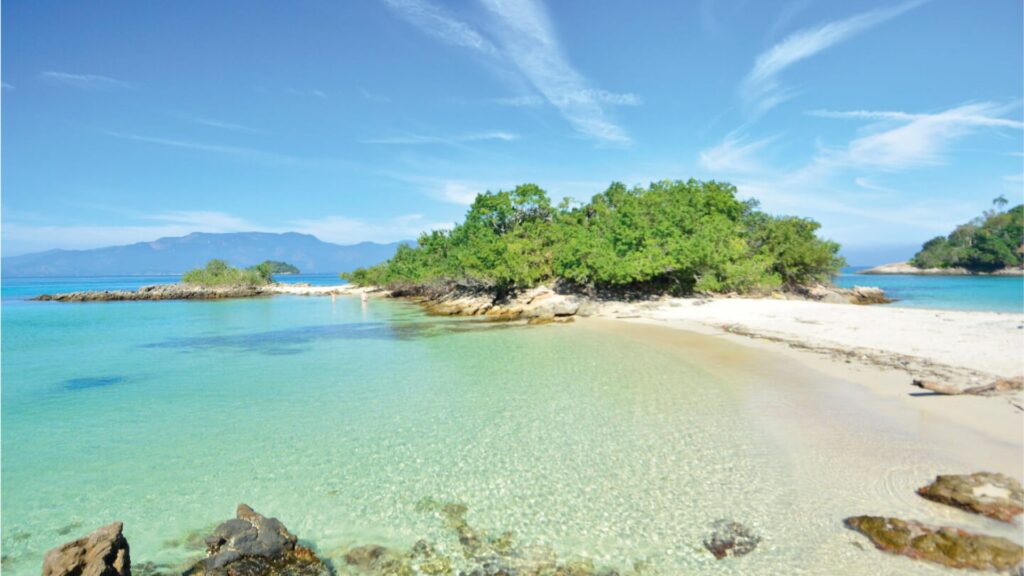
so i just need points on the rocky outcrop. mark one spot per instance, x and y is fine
(947, 546)
(856, 295)
(160, 292)
(731, 539)
(994, 495)
(102, 553)
(254, 545)
(908, 268)
(536, 303)
(196, 292)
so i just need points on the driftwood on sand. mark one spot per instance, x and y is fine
(999, 386)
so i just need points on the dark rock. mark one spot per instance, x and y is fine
(731, 539)
(994, 495)
(102, 553)
(940, 545)
(254, 545)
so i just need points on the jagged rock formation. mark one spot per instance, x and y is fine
(254, 545)
(102, 553)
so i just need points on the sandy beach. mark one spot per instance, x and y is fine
(988, 343)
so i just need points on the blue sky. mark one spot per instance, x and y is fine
(888, 122)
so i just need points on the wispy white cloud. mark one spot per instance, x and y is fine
(236, 151)
(460, 193)
(528, 40)
(588, 96)
(918, 139)
(417, 139)
(84, 81)
(347, 230)
(962, 114)
(7, 86)
(215, 123)
(526, 101)
(735, 154)
(374, 97)
(310, 92)
(438, 23)
(762, 90)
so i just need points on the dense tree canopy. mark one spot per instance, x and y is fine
(673, 236)
(277, 267)
(220, 273)
(988, 243)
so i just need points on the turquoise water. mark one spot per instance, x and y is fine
(987, 293)
(339, 417)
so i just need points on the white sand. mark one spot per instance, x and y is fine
(987, 342)
(299, 290)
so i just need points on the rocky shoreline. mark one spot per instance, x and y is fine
(183, 291)
(254, 545)
(543, 305)
(906, 268)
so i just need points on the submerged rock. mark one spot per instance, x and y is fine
(731, 539)
(102, 553)
(254, 545)
(941, 545)
(991, 494)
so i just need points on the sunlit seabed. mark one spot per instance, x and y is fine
(338, 419)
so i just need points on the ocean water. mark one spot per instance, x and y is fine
(985, 293)
(341, 419)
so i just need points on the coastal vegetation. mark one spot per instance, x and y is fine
(675, 237)
(220, 273)
(277, 267)
(990, 242)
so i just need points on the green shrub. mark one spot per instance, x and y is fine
(219, 273)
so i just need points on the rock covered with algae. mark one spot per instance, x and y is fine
(947, 546)
(994, 495)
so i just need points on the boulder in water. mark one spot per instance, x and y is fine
(947, 546)
(254, 545)
(731, 539)
(994, 495)
(102, 553)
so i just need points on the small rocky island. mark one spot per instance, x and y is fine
(989, 245)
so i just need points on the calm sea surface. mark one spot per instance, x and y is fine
(990, 293)
(340, 418)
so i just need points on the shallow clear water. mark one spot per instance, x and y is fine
(988, 293)
(339, 418)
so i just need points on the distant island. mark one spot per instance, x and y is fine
(277, 267)
(673, 237)
(992, 243)
(175, 255)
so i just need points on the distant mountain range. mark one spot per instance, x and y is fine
(175, 255)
